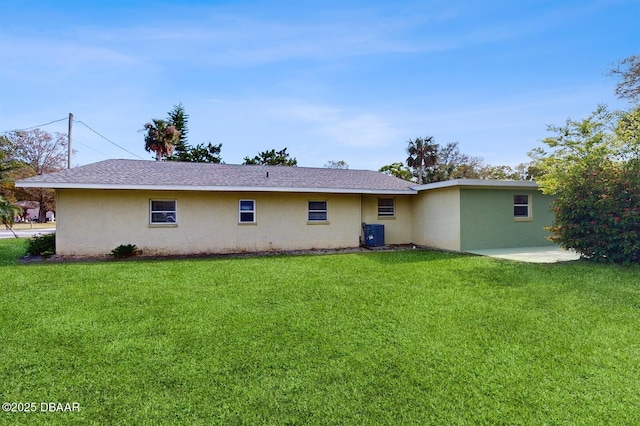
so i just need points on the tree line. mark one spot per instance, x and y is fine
(167, 139)
(26, 153)
(429, 162)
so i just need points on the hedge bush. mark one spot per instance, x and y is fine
(598, 212)
(124, 250)
(42, 245)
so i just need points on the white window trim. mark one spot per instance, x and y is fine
(325, 210)
(393, 208)
(240, 211)
(529, 216)
(151, 211)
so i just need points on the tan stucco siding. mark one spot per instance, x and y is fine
(93, 222)
(397, 229)
(436, 218)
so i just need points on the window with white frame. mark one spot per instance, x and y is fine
(386, 207)
(247, 211)
(521, 206)
(163, 212)
(318, 211)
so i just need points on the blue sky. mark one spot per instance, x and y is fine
(329, 80)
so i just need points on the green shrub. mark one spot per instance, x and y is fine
(598, 213)
(42, 245)
(124, 250)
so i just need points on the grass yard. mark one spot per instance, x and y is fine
(407, 337)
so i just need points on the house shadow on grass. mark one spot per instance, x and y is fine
(391, 254)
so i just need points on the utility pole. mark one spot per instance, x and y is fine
(69, 141)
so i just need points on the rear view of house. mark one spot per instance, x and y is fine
(189, 208)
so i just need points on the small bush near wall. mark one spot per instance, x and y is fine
(42, 245)
(124, 250)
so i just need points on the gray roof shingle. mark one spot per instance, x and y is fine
(141, 174)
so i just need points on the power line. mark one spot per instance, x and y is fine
(108, 140)
(85, 125)
(92, 149)
(35, 127)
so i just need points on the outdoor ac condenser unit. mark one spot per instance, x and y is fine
(373, 235)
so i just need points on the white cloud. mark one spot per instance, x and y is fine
(338, 125)
(361, 130)
(226, 38)
(35, 54)
(232, 38)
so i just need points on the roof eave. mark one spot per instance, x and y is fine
(102, 186)
(478, 184)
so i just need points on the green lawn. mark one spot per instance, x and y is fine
(409, 337)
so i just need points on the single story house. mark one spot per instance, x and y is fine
(189, 208)
(32, 211)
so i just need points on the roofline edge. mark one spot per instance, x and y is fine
(408, 191)
(477, 183)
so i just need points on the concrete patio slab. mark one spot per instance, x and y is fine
(547, 254)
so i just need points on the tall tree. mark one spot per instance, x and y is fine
(422, 153)
(45, 153)
(9, 191)
(434, 163)
(398, 170)
(527, 171)
(36, 152)
(161, 138)
(595, 174)
(341, 164)
(574, 144)
(502, 172)
(451, 163)
(183, 151)
(628, 130)
(441, 163)
(272, 158)
(202, 153)
(180, 120)
(6, 165)
(628, 72)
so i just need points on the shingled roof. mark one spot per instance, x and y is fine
(157, 175)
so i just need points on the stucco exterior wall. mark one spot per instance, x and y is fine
(436, 218)
(397, 229)
(487, 219)
(94, 222)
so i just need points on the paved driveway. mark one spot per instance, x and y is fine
(25, 233)
(547, 254)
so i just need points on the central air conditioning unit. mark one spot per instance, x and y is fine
(373, 235)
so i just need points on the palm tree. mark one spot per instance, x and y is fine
(422, 152)
(161, 137)
(8, 212)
